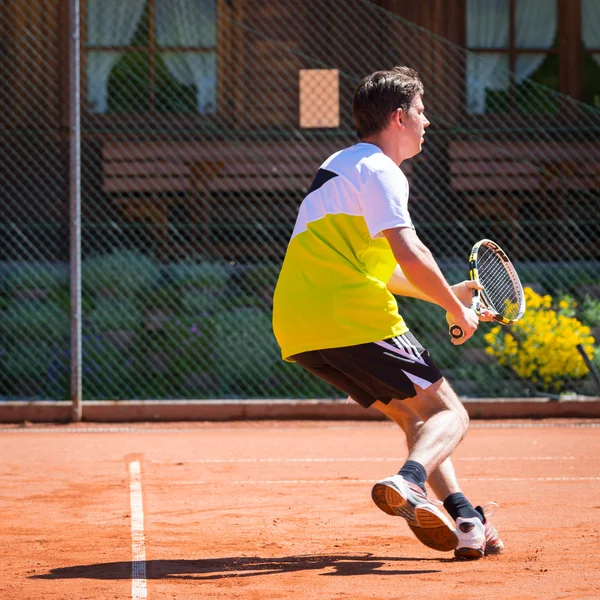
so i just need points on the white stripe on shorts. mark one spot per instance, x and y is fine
(422, 383)
(413, 356)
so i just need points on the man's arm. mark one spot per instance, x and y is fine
(399, 285)
(420, 277)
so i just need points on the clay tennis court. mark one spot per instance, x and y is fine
(282, 510)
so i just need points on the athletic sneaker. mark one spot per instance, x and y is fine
(398, 497)
(476, 539)
(493, 543)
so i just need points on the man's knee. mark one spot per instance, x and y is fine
(437, 398)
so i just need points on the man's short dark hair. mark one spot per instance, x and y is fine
(380, 94)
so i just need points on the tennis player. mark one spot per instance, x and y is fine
(353, 246)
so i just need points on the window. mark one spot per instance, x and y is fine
(153, 56)
(590, 37)
(513, 46)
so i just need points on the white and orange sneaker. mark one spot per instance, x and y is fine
(476, 538)
(396, 496)
(493, 543)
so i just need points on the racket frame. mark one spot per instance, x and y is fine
(478, 302)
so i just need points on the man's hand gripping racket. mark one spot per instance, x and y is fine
(496, 288)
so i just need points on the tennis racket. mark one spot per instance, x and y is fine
(502, 292)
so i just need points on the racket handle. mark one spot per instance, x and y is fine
(456, 332)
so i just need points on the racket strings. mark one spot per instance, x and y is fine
(500, 292)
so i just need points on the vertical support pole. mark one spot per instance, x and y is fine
(75, 205)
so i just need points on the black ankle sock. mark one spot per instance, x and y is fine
(414, 472)
(458, 506)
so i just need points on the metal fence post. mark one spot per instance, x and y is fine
(75, 207)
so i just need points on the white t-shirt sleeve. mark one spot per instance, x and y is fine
(384, 201)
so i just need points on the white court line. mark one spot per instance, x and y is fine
(138, 561)
(376, 425)
(363, 481)
(340, 459)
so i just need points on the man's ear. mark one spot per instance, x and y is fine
(400, 116)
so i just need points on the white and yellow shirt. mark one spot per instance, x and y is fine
(332, 290)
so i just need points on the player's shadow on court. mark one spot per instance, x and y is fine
(247, 566)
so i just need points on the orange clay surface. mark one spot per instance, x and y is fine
(283, 510)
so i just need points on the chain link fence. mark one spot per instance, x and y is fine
(203, 123)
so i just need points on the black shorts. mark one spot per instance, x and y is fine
(374, 371)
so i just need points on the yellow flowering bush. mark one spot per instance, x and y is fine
(542, 346)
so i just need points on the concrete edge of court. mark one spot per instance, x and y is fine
(123, 411)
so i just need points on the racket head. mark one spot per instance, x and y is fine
(502, 290)
(502, 294)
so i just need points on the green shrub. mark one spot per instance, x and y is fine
(165, 297)
(211, 276)
(107, 372)
(114, 314)
(37, 369)
(28, 276)
(35, 321)
(123, 274)
(183, 347)
(199, 302)
(245, 352)
(187, 341)
(483, 381)
(558, 278)
(258, 277)
(590, 313)
(254, 287)
(542, 347)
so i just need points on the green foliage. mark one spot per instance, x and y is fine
(475, 380)
(107, 372)
(198, 303)
(422, 318)
(245, 351)
(35, 320)
(204, 330)
(590, 312)
(212, 276)
(187, 341)
(176, 359)
(124, 274)
(27, 361)
(559, 278)
(542, 347)
(36, 369)
(28, 276)
(254, 287)
(115, 314)
(165, 297)
(258, 277)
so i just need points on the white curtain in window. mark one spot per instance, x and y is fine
(535, 28)
(590, 25)
(193, 24)
(487, 27)
(109, 23)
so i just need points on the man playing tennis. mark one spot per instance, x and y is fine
(353, 246)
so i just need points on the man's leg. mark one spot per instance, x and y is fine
(442, 478)
(370, 371)
(444, 424)
(435, 421)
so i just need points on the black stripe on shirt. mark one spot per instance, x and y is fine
(321, 178)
